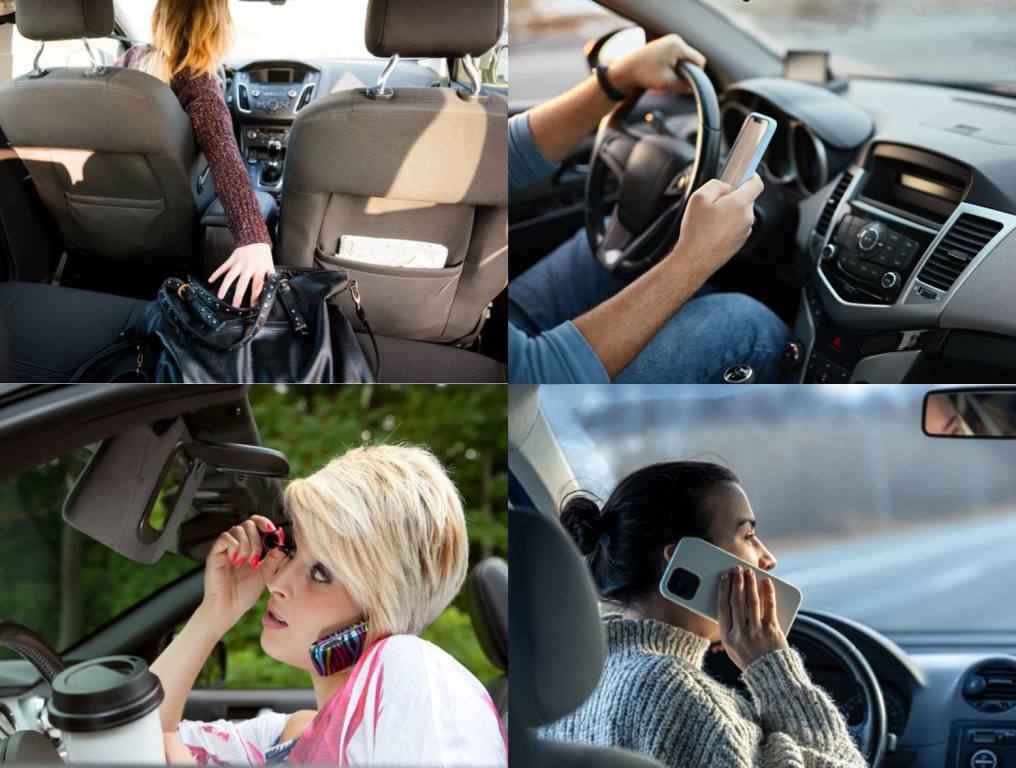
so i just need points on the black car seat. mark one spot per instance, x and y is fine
(558, 643)
(412, 163)
(488, 610)
(110, 150)
(48, 332)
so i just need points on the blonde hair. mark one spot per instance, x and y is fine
(188, 35)
(388, 521)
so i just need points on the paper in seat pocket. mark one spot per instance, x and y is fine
(391, 252)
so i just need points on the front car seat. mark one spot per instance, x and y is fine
(558, 644)
(111, 152)
(413, 163)
(488, 610)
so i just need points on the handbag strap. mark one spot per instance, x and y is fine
(192, 295)
(354, 293)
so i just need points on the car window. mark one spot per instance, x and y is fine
(863, 511)
(60, 53)
(62, 583)
(547, 37)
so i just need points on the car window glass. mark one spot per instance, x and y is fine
(862, 510)
(547, 37)
(58, 581)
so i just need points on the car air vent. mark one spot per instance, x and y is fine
(242, 98)
(965, 239)
(305, 97)
(831, 203)
(991, 687)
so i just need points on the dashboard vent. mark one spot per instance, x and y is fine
(305, 97)
(991, 687)
(834, 200)
(243, 100)
(965, 239)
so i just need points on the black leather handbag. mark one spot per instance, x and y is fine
(293, 336)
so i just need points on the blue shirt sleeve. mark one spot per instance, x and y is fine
(558, 356)
(526, 163)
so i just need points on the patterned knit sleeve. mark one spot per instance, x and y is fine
(796, 714)
(213, 127)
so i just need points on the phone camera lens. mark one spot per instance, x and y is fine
(683, 583)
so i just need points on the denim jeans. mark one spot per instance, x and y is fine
(707, 335)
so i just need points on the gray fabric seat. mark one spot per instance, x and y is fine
(111, 152)
(558, 644)
(47, 332)
(425, 164)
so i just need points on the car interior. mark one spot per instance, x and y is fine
(104, 193)
(922, 699)
(883, 237)
(179, 464)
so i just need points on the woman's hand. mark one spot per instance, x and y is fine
(716, 224)
(653, 66)
(177, 753)
(233, 582)
(748, 625)
(249, 265)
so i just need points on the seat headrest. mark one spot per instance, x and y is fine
(488, 608)
(557, 638)
(433, 28)
(64, 19)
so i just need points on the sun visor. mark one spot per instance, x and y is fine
(137, 489)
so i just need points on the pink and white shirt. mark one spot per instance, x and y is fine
(406, 703)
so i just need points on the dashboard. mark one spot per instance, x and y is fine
(265, 97)
(907, 207)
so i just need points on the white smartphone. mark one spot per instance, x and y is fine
(749, 146)
(692, 579)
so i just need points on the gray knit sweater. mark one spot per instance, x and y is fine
(655, 698)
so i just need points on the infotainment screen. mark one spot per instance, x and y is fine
(279, 76)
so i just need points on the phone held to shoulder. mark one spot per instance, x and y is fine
(692, 579)
(751, 143)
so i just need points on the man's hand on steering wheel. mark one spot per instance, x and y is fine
(653, 66)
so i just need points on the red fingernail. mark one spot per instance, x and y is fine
(236, 559)
(282, 535)
(271, 525)
(254, 561)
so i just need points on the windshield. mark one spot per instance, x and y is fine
(920, 39)
(300, 29)
(872, 519)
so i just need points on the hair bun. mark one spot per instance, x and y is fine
(581, 517)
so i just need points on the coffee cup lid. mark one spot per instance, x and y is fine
(103, 693)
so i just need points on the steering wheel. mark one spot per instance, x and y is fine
(657, 175)
(871, 734)
(23, 747)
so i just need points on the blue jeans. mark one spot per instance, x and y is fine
(710, 333)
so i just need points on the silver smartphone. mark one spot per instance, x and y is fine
(692, 579)
(751, 143)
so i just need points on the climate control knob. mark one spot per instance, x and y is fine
(983, 758)
(890, 280)
(829, 252)
(869, 236)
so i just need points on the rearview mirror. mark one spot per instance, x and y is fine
(614, 45)
(240, 459)
(971, 413)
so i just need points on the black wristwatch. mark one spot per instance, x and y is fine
(601, 77)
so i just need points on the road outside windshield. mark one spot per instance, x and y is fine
(867, 515)
(300, 29)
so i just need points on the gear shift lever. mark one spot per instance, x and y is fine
(272, 171)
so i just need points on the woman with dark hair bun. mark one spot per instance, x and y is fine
(654, 696)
